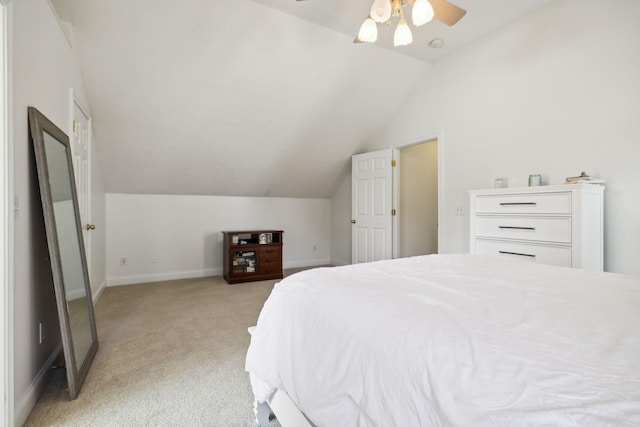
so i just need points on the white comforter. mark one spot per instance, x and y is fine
(452, 340)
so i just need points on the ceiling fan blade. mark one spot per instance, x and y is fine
(447, 12)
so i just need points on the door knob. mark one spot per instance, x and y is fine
(91, 227)
(353, 221)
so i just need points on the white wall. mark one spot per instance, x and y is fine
(44, 69)
(555, 93)
(6, 227)
(167, 237)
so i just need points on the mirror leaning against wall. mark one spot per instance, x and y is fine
(66, 248)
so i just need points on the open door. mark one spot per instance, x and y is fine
(371, 206)
(81, 152)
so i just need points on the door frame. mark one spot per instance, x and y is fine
(395, 226)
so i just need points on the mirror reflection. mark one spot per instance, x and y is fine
(69, 247)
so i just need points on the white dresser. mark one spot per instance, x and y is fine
(553, 224)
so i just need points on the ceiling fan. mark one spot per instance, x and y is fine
(423, 11)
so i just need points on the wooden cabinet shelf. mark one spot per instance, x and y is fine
(252, 255)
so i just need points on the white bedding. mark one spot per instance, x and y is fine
(460, 340)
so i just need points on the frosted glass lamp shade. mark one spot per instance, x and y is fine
(402, 36)
(368, 31)
(422, 12)
(381, 10)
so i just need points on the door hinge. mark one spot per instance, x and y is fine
(393, 163)
(393, 212)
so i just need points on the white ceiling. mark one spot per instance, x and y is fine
(482, 18)
(249, 99)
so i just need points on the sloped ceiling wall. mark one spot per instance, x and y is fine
(193, 98)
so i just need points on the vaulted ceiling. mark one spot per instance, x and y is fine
(247, 98)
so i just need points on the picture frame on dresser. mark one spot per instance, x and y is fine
(554, 224)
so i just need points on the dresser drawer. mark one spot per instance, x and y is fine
(270, 256)
(535, 203)
(270, 266)
(555, 255)
(525, 228)
(267, 262)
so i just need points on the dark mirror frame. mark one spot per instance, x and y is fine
(76, 369)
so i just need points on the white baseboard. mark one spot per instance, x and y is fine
(161, 277)
(98, 293)
(175, 275)
(307, 263)
(79, 293)
(33, 393)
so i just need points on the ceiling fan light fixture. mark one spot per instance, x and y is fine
(422, 12)
(402, 35)
(368, 31)
(381, 10)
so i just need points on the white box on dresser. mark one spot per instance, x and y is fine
(552, 224)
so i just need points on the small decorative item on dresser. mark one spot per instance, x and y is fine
(535, 180)
(583, 178)
(500, 183)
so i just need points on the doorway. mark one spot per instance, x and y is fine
(417, 201)
(397, 201)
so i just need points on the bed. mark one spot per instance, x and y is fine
(450, 340)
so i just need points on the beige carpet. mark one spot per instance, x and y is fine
(171, 354)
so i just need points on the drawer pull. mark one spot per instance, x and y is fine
(518, 204)
(516, 228)
(516, 253)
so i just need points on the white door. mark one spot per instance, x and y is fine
(371, 206)
(81, 152)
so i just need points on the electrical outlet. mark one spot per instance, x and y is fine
(123, 260)
(459, 211)
(41, 332)
(155, 259)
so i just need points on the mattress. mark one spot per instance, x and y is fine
(452, 340)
